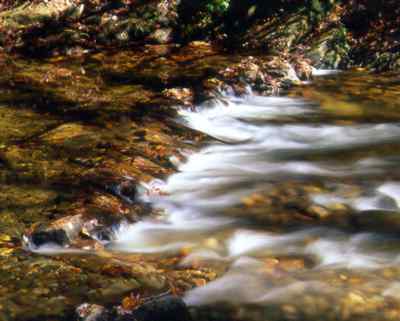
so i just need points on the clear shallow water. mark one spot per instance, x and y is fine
(295, 200)
(347, 170)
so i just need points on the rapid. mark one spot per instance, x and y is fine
(298, 203)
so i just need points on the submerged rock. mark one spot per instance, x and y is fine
(22, 124)
(72, 136)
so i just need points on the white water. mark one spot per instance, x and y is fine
(255, 144)
(258, 146)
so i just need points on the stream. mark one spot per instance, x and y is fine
(213, 160)
(223, 207)
(294, 200)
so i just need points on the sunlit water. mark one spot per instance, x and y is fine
(258, 143)
(261, 142)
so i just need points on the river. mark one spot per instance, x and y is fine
(296, 203)
(294, 200)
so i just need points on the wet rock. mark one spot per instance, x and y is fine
(266, 75)
(303, 68)
(56, 236)
(182, 96)
(60, 232)
(115, 179)
(125, 189)
(93, 222)
(212, 88)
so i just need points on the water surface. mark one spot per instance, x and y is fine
(296, 198)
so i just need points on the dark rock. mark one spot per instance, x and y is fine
(60, 232)
(377, 220)
(126, 190)
(164, 308)
(58, 237)
(161, 308)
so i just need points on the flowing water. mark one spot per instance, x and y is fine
(295, 199)
(298, 201)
